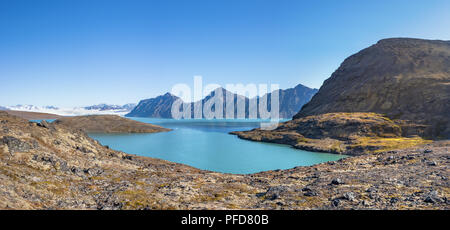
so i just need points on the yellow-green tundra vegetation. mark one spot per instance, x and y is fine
(340, 133)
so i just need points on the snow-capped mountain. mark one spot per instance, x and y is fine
(101, 109)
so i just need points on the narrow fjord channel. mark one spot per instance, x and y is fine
(206, 144)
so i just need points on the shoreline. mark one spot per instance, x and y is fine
(52, 167)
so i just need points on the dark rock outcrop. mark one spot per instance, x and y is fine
(15, 145)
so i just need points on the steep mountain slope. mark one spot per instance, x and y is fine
(291, 100)
(406, 79)
(159, 107)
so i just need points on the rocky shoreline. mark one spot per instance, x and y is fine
(52, 167)
(341, 133)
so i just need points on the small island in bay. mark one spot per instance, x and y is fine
(108, 124)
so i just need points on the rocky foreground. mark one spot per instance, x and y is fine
(48, 166)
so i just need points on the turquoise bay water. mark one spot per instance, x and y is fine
(206, 144)
(47, 120)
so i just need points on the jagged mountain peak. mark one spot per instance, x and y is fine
(291, 100)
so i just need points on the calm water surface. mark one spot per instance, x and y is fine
(206, 144)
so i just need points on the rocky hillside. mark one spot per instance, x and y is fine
(108, 124)
(407, 79)
(47, 166)
(291, 100)
(340, 133)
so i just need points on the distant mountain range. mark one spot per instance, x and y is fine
(106, 107)
(291, 101)
(101, 109)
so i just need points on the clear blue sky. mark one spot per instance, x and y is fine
(73, 53)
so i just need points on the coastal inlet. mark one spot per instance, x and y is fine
(206, 144)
